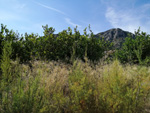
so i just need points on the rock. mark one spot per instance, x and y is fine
(115, 35)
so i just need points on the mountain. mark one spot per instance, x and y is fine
(116, 36)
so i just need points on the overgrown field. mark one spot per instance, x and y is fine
(42, 74)
(55, 87)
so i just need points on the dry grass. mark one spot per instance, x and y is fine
(82, 87)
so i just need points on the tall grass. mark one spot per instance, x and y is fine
(55, 87)
(5, 77)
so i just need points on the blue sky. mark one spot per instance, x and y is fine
(29, 15)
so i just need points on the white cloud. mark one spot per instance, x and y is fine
(68, 21)
(129, 20)
(51, 8)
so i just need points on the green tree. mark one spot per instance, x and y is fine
(135, 49)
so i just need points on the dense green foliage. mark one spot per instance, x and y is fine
(68, 46)
(135, 50)
(65, 46)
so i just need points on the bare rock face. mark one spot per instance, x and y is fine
(116, 36)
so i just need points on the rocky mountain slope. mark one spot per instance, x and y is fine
(115, 35)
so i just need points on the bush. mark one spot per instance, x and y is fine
(52, 46)
(135, 49)
(57, 87)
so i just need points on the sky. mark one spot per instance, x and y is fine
(29, 15)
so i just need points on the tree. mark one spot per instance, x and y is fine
(135, 49)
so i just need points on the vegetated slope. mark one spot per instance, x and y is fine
(115, 35)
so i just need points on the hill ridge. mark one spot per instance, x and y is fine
(115, 35)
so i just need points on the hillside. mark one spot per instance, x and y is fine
(115, 35)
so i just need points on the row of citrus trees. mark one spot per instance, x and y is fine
(66, 46)
(69, 45)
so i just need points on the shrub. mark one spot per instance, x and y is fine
(135, 49)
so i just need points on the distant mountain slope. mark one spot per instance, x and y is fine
(115, 35)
